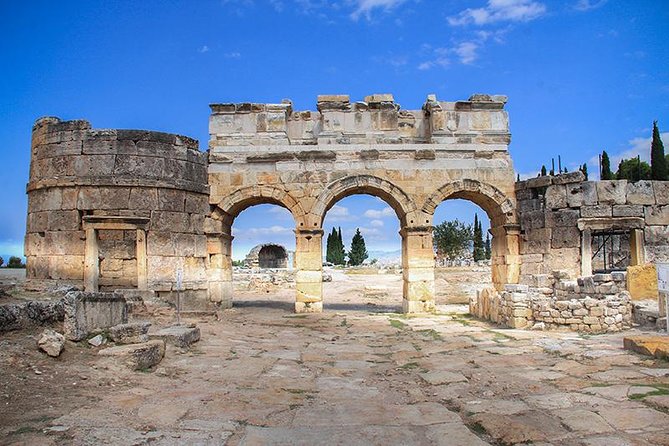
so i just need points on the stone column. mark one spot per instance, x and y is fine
(142, 276)
(636, 247)
(586, 252)
(91, 261)
(417, 269)
(309, 275)
(219, 248)
(505, 261)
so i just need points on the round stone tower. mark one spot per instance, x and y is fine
(117, 209)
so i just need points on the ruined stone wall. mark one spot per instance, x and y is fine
(78, 173)
(556, 212)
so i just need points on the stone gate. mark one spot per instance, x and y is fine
(306, 161)
(128, 208)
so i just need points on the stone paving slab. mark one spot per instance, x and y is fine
(261, 376)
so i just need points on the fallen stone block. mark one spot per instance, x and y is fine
(89, 312)
(97, 341)
(657, 346)
(131, 333)
(137, 356)
(181, 336)
(51, 342)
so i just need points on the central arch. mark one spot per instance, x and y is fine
(395, 197)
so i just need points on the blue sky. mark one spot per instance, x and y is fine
(581, 75)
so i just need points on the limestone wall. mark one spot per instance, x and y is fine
(557, 214)
(118, 182)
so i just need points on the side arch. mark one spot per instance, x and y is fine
(232, 205)
(500, 209)
(396, 198)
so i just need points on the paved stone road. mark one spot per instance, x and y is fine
(263, 375)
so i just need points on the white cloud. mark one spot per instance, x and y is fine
(466, 51)
(259, 232)
(587, 5)
(636, 147)
(277, 5)
(339, 213)
(376, 214)
(368, 233)
(500, 11)
(377, 223)
(365, 7)
(203, 49)
(233, 55)
(280, 213)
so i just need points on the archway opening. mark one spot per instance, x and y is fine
(261, 251)
(463, 251)
(356, 278)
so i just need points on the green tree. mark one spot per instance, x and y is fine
(15, 262)
(338, 251)
(358, 252)
(633, 170)
(488, 247)
(584, 169)
(606, 173)
(452, 239)
(479, 249)
(2, 261)
(543, 171)
(658, 162)
(331, 247)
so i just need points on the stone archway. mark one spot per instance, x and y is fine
(218, 228)
(503, 227)
(307, 160)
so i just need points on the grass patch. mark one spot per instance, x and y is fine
(660, 389)
(500, 337)
(295, 316)
(431, 333)
(478, 429)
(397, 324)
(409, 366)
(24, 430)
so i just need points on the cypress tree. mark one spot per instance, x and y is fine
(358, 252)
(658, 163)
(606, 173)
(479, 251)
(584, 169)
(543, 171)
(340, 252)
(488, 248)
(328, 249)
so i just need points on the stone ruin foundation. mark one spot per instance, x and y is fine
(124, 210)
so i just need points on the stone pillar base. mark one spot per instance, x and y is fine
(308, 307)
(417, 306)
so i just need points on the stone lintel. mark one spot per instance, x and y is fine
(611, 224)
(114, 222)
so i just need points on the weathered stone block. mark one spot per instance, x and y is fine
(612, 191)
(640, 192)
(661, 189)
(642, 282)
(582, 194)
(601, 210)
(562, 217)
(137, 356)
(628, 210)
(131, 333)
(88, 312)
(181, 336)
(566, 237)
(657, 215)
(556, 197)
(51, 342)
